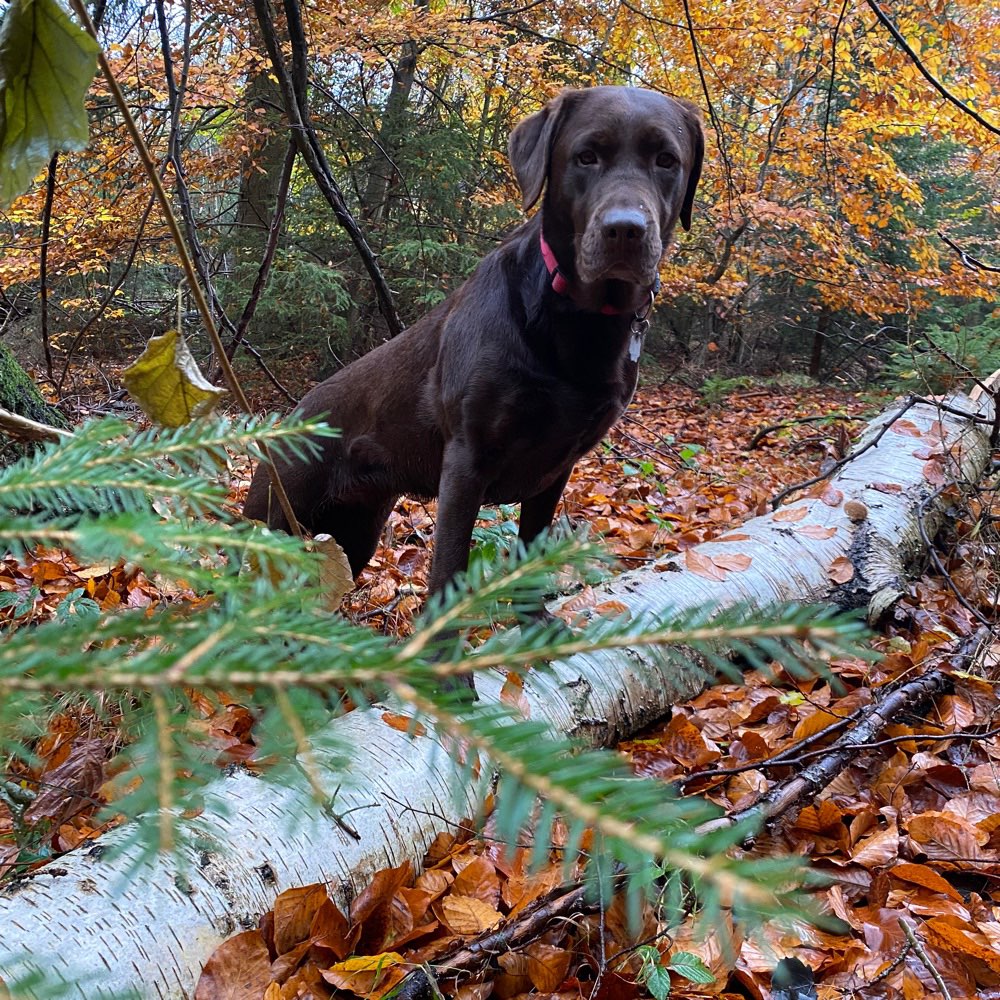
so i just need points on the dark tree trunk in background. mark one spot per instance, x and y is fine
(261, 167)
(819, 338)
(368, 327)
(381, 163)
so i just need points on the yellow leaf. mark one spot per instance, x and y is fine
(369, 963)
(166, 382)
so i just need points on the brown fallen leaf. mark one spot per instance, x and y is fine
(239, 969)
(335, 574)
(791, 513)
(479, 880)
(294, 913)
(404, 724)
(547, 965)
(878, 850)
(941, 933)
(702, 565)
(928, 878)
(934, 472)
(907, 427)
(944, 837)
(468, 915)
(841, 570)
(816, 531)
(71, 786)
(736, 563)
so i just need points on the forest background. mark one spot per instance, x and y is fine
(833, 166)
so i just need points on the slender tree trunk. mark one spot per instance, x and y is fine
(819, 339)
(382, 168)
(260, 173)
(91, 917)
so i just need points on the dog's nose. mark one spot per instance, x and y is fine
(623, 226)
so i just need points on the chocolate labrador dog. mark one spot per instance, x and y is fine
(495, 394)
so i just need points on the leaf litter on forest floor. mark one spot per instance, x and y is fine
(912, 837)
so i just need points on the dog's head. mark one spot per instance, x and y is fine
(619, 167)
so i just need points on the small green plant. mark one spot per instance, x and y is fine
(655, 973)
(714, 390)
(302, 299)
(640, 467)
(495, 539)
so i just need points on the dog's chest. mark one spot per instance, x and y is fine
(541, 429)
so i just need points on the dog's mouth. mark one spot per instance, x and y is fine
(618, 272)
(619, 294)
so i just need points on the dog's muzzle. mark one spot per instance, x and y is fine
(620, 243)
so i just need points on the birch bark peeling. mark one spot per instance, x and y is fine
(82, 918)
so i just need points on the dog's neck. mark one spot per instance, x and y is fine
(563, 285)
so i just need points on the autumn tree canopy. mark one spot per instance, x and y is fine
(833, 165)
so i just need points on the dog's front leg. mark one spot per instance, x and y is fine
(537, 511)
(536, 515)
(460, 495)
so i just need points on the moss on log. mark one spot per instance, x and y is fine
(20, 395)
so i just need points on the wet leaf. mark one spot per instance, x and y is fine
(166, 382)
(47, 62)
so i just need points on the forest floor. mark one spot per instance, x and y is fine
(909, 836)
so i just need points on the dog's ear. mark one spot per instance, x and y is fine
(530, 147)
(696, 135)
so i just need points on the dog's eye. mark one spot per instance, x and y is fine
(586, 158)
(666, 160)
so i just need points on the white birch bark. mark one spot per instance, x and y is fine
(152, 930)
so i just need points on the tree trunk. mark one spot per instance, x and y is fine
(82, 917)
(20, 395)
(819, 339)
(260, 168)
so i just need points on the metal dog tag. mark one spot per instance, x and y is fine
(635, 347)
(638, 329)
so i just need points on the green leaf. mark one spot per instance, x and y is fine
(658, 982)
(46, 64)
(653, 974)
(691, 967)
(166, 382)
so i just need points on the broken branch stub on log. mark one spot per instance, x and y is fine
(851, 542)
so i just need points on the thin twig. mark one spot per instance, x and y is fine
(303, 132)
(273, 233)
(846, 460)
(918, 948)
(936, 559)
(762, 432)
(43, 277)
(973, 263)
(785, 794)
(927, 75)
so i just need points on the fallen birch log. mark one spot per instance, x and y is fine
(82, 919)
